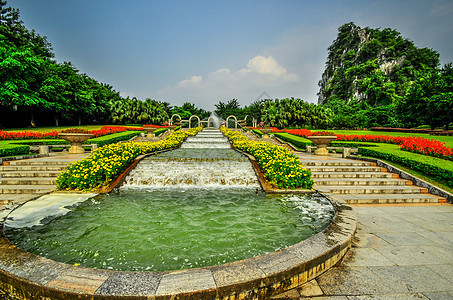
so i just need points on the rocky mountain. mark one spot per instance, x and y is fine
(372, 65)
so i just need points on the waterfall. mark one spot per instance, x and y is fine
(204, 160)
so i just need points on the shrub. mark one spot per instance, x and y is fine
(257, 132)
(112, 138)
(297, 141)
(11, 150)
(159, 131)
(280, 167)
(439, 170)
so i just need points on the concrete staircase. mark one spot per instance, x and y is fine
(22, 180)
(359, 182)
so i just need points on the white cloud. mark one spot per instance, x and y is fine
(260, 74)
(189, 82)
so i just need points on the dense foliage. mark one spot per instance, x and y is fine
(36, 90)
(281, 113)
(280, 167)
(376, 77)
(105, 164)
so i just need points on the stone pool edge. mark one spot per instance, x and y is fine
(28, 276)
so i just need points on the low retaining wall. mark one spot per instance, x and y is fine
(28, 276)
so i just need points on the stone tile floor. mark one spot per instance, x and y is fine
(400, 252)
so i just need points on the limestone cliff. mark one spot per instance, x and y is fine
(371, 65)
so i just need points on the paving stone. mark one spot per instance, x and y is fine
(367, 240)
(447, 295)
(130, 283)
(310, 289)
(404, 239)
(291, 294)
(362, 257)
(443, 238)
(357, 281)
(410, 255)
(186, 281)
(445, 270)
(389, 297)
(413, 278)
(81, 280)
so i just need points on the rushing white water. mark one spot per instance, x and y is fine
(204, 160)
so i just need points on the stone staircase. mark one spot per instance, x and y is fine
(359, 182)
(22, 180)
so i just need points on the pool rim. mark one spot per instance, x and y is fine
(29, 276)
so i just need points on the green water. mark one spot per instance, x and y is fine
(160, 230)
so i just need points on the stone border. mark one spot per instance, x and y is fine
(28, 276)
(404, 175)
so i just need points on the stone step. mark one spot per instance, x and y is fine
(335, 163)
(32, 168)
(27, 181)
(370, 189)
(22, 189)
(33, 162)
(348, 169)
(318, 175)
(389, 198)
(15, 174)
(361, 182)
(10, 198)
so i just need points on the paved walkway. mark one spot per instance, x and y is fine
(400, 252)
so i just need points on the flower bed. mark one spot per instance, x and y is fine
(28, 135)
(281, 168)
(105, 164)
(427, 147)
(413, 144)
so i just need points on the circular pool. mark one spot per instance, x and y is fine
(165, 229)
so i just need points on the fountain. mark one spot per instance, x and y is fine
(214, 120)
(194, 221)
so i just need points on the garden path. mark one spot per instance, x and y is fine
(400, 252)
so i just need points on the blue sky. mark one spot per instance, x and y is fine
(210, 51)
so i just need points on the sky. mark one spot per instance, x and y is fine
(204, 52)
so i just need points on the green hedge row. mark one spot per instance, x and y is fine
(112, 138)
(159, 131)
(441, 171)
(40, 142)
(297, 141)
(257, 132)
(11, 150)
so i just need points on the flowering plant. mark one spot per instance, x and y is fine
(75, 130)
(106, 163)
(279, 166)
(322, 133)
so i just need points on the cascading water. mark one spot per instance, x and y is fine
(196, 206)
(204, 160)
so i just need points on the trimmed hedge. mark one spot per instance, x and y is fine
(436, 168)
(297, 141)
(12, 150)
(257, 132)
(159, 131)
(112, 138)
